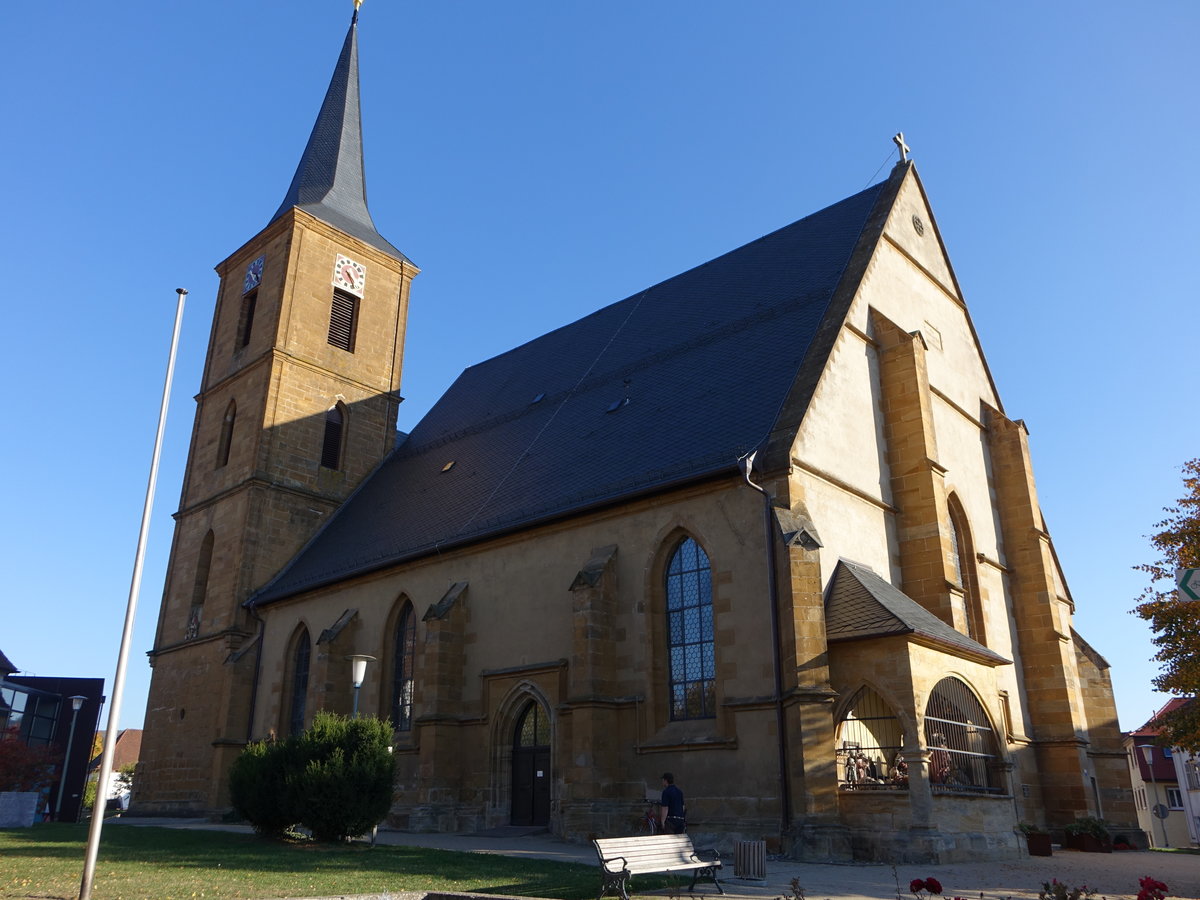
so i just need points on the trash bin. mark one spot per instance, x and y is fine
(750, 860)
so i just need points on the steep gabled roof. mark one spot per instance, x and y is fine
(329, 182)
(668, 386)
(860, 605)
(6, 667)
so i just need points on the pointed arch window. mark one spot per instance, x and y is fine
(246, 322)
(199, 588)
(533, 728)
(870, 744)
(962, 557)
(690, 645)
(334, 440)
(404, 650)
(301, 655)
(962, 745)
(226, 440)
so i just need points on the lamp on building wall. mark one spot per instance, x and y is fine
(76, 705)
(358, 669)
(1148, 755)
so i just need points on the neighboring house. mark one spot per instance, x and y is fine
(39, 711)
(766, 524)
(1157, 791)
(1187, 772)
(125, 753)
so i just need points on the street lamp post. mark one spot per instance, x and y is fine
(76, 703)
(1148, 755)
(358, 670)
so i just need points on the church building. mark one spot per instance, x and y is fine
(766, 525)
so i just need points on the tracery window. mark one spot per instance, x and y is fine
(966, 575)
(404, 650)
(299, 683)
(690, 643)
(870, 743)
(962, 745)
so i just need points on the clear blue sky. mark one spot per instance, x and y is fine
(539, 159)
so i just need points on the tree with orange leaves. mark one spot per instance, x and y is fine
(1176, 622)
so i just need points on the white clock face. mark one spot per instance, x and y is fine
(349, 275)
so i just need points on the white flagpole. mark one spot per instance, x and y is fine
(114, 709)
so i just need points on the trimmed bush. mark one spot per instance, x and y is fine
(259, 787)
(335, 779)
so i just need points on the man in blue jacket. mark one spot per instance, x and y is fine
(671, 812)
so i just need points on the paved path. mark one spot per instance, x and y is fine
(1113, 875)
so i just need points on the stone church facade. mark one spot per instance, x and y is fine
(766, 525)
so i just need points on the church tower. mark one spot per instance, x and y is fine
(297, 405)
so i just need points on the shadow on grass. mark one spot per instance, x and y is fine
(154, 852)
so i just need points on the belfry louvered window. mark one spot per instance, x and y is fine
(331, 447)
(690, 633)
(343, 320)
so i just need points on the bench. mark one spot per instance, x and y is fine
(621, 858)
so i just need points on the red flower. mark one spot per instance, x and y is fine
(916, 885)
(933, 885)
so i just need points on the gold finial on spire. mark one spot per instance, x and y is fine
(357, 4)
(354, 18)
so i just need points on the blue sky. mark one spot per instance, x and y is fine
(541, 159)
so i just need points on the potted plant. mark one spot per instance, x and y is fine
(1037, 839)
(1090, 835)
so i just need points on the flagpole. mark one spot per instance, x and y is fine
(114, 710)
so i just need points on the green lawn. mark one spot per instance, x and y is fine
(46, 861)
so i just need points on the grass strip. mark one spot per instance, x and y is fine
(46, 862)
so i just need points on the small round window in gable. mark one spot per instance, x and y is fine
(918, 225)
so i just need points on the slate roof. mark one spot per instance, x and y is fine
(6, 667)
(329, 182)
(860, 604)
(695, 371)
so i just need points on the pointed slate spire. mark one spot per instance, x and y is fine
(329, 182)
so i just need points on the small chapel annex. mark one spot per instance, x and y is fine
(766, 524)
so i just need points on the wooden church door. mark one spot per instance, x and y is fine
(531, 768)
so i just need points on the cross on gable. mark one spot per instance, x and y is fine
(898, 140)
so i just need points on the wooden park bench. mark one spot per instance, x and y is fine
(621, 858)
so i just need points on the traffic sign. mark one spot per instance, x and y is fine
(1189, 583)
(1160, 811)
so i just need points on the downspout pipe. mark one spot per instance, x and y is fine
(746, 465)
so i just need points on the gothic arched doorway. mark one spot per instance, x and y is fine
(531, 767)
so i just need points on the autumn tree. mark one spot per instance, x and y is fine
(1176, 622)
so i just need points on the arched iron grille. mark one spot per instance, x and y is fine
(869, 743)
(962, 745)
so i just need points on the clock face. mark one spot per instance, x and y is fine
(253, 275)
(349, 275)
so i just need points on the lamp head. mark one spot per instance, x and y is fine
(77, 702)
(358, 667)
